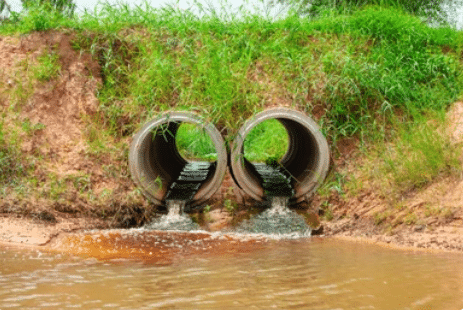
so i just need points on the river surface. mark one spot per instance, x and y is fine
(311, 273)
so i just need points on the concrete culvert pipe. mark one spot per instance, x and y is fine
(155, 162)
(306, 161)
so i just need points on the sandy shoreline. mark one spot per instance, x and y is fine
(448, 238)
(31, 234)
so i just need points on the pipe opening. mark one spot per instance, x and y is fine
(304, 165)
(268, 141)
(165, 162)
(194, 144)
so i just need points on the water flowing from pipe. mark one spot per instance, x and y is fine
(175, 219)
(277, 221)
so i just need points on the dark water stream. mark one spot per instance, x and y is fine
(309, 273)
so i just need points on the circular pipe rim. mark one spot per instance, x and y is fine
(285, 115)
(149, 187)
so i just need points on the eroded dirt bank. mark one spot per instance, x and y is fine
(74, 184)
(58, 168)
(426, 218)
(369, 217)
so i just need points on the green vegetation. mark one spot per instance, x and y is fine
(29, 128)
(268, 140)
(4, 7)
(48, 67)
(430, 10)
(419, 154)
(327, 211)
(62, 7)
(380, 217)
(194, 142)
(443, 213)
(360, 67)
(410, 219)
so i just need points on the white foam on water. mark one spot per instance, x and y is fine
(277, 222)
(175, 219)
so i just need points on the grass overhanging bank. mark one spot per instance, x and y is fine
(377, 79)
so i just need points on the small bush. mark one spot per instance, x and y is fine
(431, 10)
(63, 7)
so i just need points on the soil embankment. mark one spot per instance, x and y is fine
(69, 182)
(430, 217)
(57, 167)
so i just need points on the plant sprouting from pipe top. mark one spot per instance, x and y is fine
(162, 130)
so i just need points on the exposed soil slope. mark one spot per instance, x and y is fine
(430, 217)
(62, 165)
(72, 183)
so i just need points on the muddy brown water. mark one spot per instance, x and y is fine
(223, 273)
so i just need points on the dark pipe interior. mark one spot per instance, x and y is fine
(302, 156)
(163, 159)
(300, 159)
(160, 158)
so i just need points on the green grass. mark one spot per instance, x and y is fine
(29, 129)
(48, 66)
(194, 143)
(267, 140)
(22, 81)
(361, 67)
(416, 155)
(421, 152)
